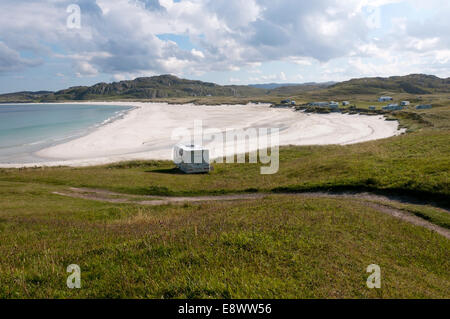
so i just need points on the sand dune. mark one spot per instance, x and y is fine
(146, 131)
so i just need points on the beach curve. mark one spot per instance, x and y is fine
(145, 132)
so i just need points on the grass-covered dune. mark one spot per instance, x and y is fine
(281, 246)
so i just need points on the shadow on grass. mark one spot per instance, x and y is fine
(404, 195)
(174, 171)
(169, 171)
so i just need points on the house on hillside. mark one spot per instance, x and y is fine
(392, 107)
(405, 103)
(346, 103)
(385, 99)
(287, 101)
(333, 105)
(319, 104)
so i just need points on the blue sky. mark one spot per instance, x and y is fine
(222, 41)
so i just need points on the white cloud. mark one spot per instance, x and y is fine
(197, 53)
(120, 37)
(10, 60)
(281, 77)
(84, 68)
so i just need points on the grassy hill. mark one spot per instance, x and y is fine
(276, 247)
(298, 89)
(411, 84)
(165, 86)
(23, 97)
(157, 87)
(168, 87)
(293, 86)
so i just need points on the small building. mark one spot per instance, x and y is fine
(346, 103)
(405, 103)
(385, 99)
(286, 101)
(333, 105)
(392, 107)
(372, 107)
(424, 107)
(191, 159)
(293, 103)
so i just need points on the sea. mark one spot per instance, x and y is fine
(28, 128)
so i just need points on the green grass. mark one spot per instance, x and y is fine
(282, 247)
(416, 163)
(432, 214)
(279, 247)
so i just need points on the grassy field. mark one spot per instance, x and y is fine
(416, 163)
(278, 247)
(271, 248)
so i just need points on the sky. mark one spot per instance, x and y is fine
(55, 44)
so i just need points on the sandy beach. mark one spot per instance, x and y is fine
(145, 132)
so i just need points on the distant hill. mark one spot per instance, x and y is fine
(299, 88)
(412, 84)
(169, 86)
(24, 96)
(272, 86)
(164, 86)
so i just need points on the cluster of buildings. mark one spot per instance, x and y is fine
(288, 102)
(395, 107)
(392, 107)
(335, 105)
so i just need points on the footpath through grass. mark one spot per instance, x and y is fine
(282, 247)
(416, 164)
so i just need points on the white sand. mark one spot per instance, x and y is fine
(146, 132)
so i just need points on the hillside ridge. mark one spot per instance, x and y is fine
(170, 86)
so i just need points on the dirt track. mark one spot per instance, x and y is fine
(379, 203)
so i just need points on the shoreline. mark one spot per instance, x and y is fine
(66, 137)
(144, 131)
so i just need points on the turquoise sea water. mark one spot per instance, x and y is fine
(28, 128)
